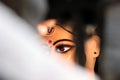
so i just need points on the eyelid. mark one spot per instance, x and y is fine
(67, 45)
(62, 40)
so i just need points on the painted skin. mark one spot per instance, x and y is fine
(60, 40)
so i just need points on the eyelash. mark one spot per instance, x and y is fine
(65, 48)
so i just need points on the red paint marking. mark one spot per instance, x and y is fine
(49, 41)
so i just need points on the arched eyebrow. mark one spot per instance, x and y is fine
(60, 40)
(64, 28)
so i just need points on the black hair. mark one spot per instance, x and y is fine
(80, 13)
(65, 11)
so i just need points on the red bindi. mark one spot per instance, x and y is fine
(49, 41)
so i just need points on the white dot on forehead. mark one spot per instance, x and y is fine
(49, 41)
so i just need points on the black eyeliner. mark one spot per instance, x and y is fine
(71, 46)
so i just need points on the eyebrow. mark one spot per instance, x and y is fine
(62, 40)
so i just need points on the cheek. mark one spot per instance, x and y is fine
(69, 56)
(88, 50)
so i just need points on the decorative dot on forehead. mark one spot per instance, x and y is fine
(50, 41)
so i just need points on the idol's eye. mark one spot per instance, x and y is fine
(63, 48)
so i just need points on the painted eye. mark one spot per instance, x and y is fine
(50, 30)
(63, 48)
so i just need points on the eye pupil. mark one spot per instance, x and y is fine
(61, 48)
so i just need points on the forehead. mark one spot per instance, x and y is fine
(59, 33)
